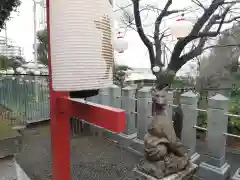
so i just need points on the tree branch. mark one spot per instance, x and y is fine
(197, 2)
(231, 2)
(221, 46)
(173, 11)
(205, 17)
(141, 33)
(176, 62)
(157, 40)
(198, 49)
(230, 20)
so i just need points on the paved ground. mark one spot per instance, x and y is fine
(92, 158)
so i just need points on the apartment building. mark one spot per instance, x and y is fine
(9, 48)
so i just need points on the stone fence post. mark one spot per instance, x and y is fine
(144, 110)
(189, 102)
(103, 96)
(214, 165)
(129, 105)
(94, 99)
(104, 99)
(144, 117)
(113, 100)
(86, 127)
(170, 103)
(115, 96)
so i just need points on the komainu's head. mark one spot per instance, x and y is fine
(160, 96)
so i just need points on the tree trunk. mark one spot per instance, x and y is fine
(164, 79)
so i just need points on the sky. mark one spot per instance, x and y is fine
(20, 29)
(137, 54)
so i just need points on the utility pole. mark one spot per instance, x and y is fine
(43, 14)
(35, 47)
(6, 40)
(35, 33)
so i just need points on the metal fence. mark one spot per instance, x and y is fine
(24, 98)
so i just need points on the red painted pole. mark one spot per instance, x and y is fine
(60, 128)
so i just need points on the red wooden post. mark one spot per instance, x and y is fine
(60, 139)
(60, 135)
(61, 108)
(106, 117)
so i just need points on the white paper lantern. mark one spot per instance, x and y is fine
(41, 66)
(120, 45)
(181, 28)
(30, 65)
(10, 71)
(156, 69)
(19, 69)
(37, 72)
(3, 72)
(24, 72)
(81, 44)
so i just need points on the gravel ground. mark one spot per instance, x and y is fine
(92, 158)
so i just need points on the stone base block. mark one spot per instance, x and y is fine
(207, 171)
(92, 129)
(109, 134)
(236, 176)
(183, 175)
(137, 146)
(195, 158)
(10, 146)
(125, 140)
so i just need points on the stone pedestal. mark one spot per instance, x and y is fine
(183, 175)
(207, 171)
(214, 164)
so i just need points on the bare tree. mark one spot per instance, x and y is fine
(209, 25)
(216, 70)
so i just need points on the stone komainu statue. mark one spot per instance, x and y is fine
(164, 153)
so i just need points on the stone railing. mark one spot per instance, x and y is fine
(138, 107)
